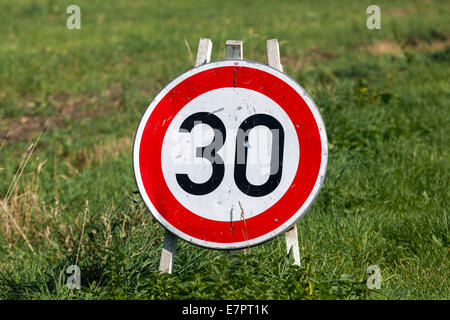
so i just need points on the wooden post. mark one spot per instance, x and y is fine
(292, 244)
(234, 50)
(170, 240)
(168, 252)
(203, 52)
(273, 55)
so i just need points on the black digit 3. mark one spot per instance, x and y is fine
(209, 152)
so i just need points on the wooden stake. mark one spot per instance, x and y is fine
(292, 243)
(203, 52)
(234, 50)
(170, 240)
(168, 252)
(273, 55)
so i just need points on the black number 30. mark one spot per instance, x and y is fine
(240, 164)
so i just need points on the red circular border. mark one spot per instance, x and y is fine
(220, 77)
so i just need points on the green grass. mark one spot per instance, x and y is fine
(385, 197)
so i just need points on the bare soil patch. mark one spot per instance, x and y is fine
(307, 59)
(392, 47)
(66, 106)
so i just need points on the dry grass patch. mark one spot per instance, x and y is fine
(90, 156)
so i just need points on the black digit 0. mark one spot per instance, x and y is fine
(276, 161)
(209, 152)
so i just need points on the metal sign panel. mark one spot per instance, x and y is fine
(230, 154)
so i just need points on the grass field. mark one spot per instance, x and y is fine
(67, 192)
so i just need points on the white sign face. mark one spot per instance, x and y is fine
(232, 106)
(230, 154)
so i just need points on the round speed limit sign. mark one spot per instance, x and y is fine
(230, 154)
